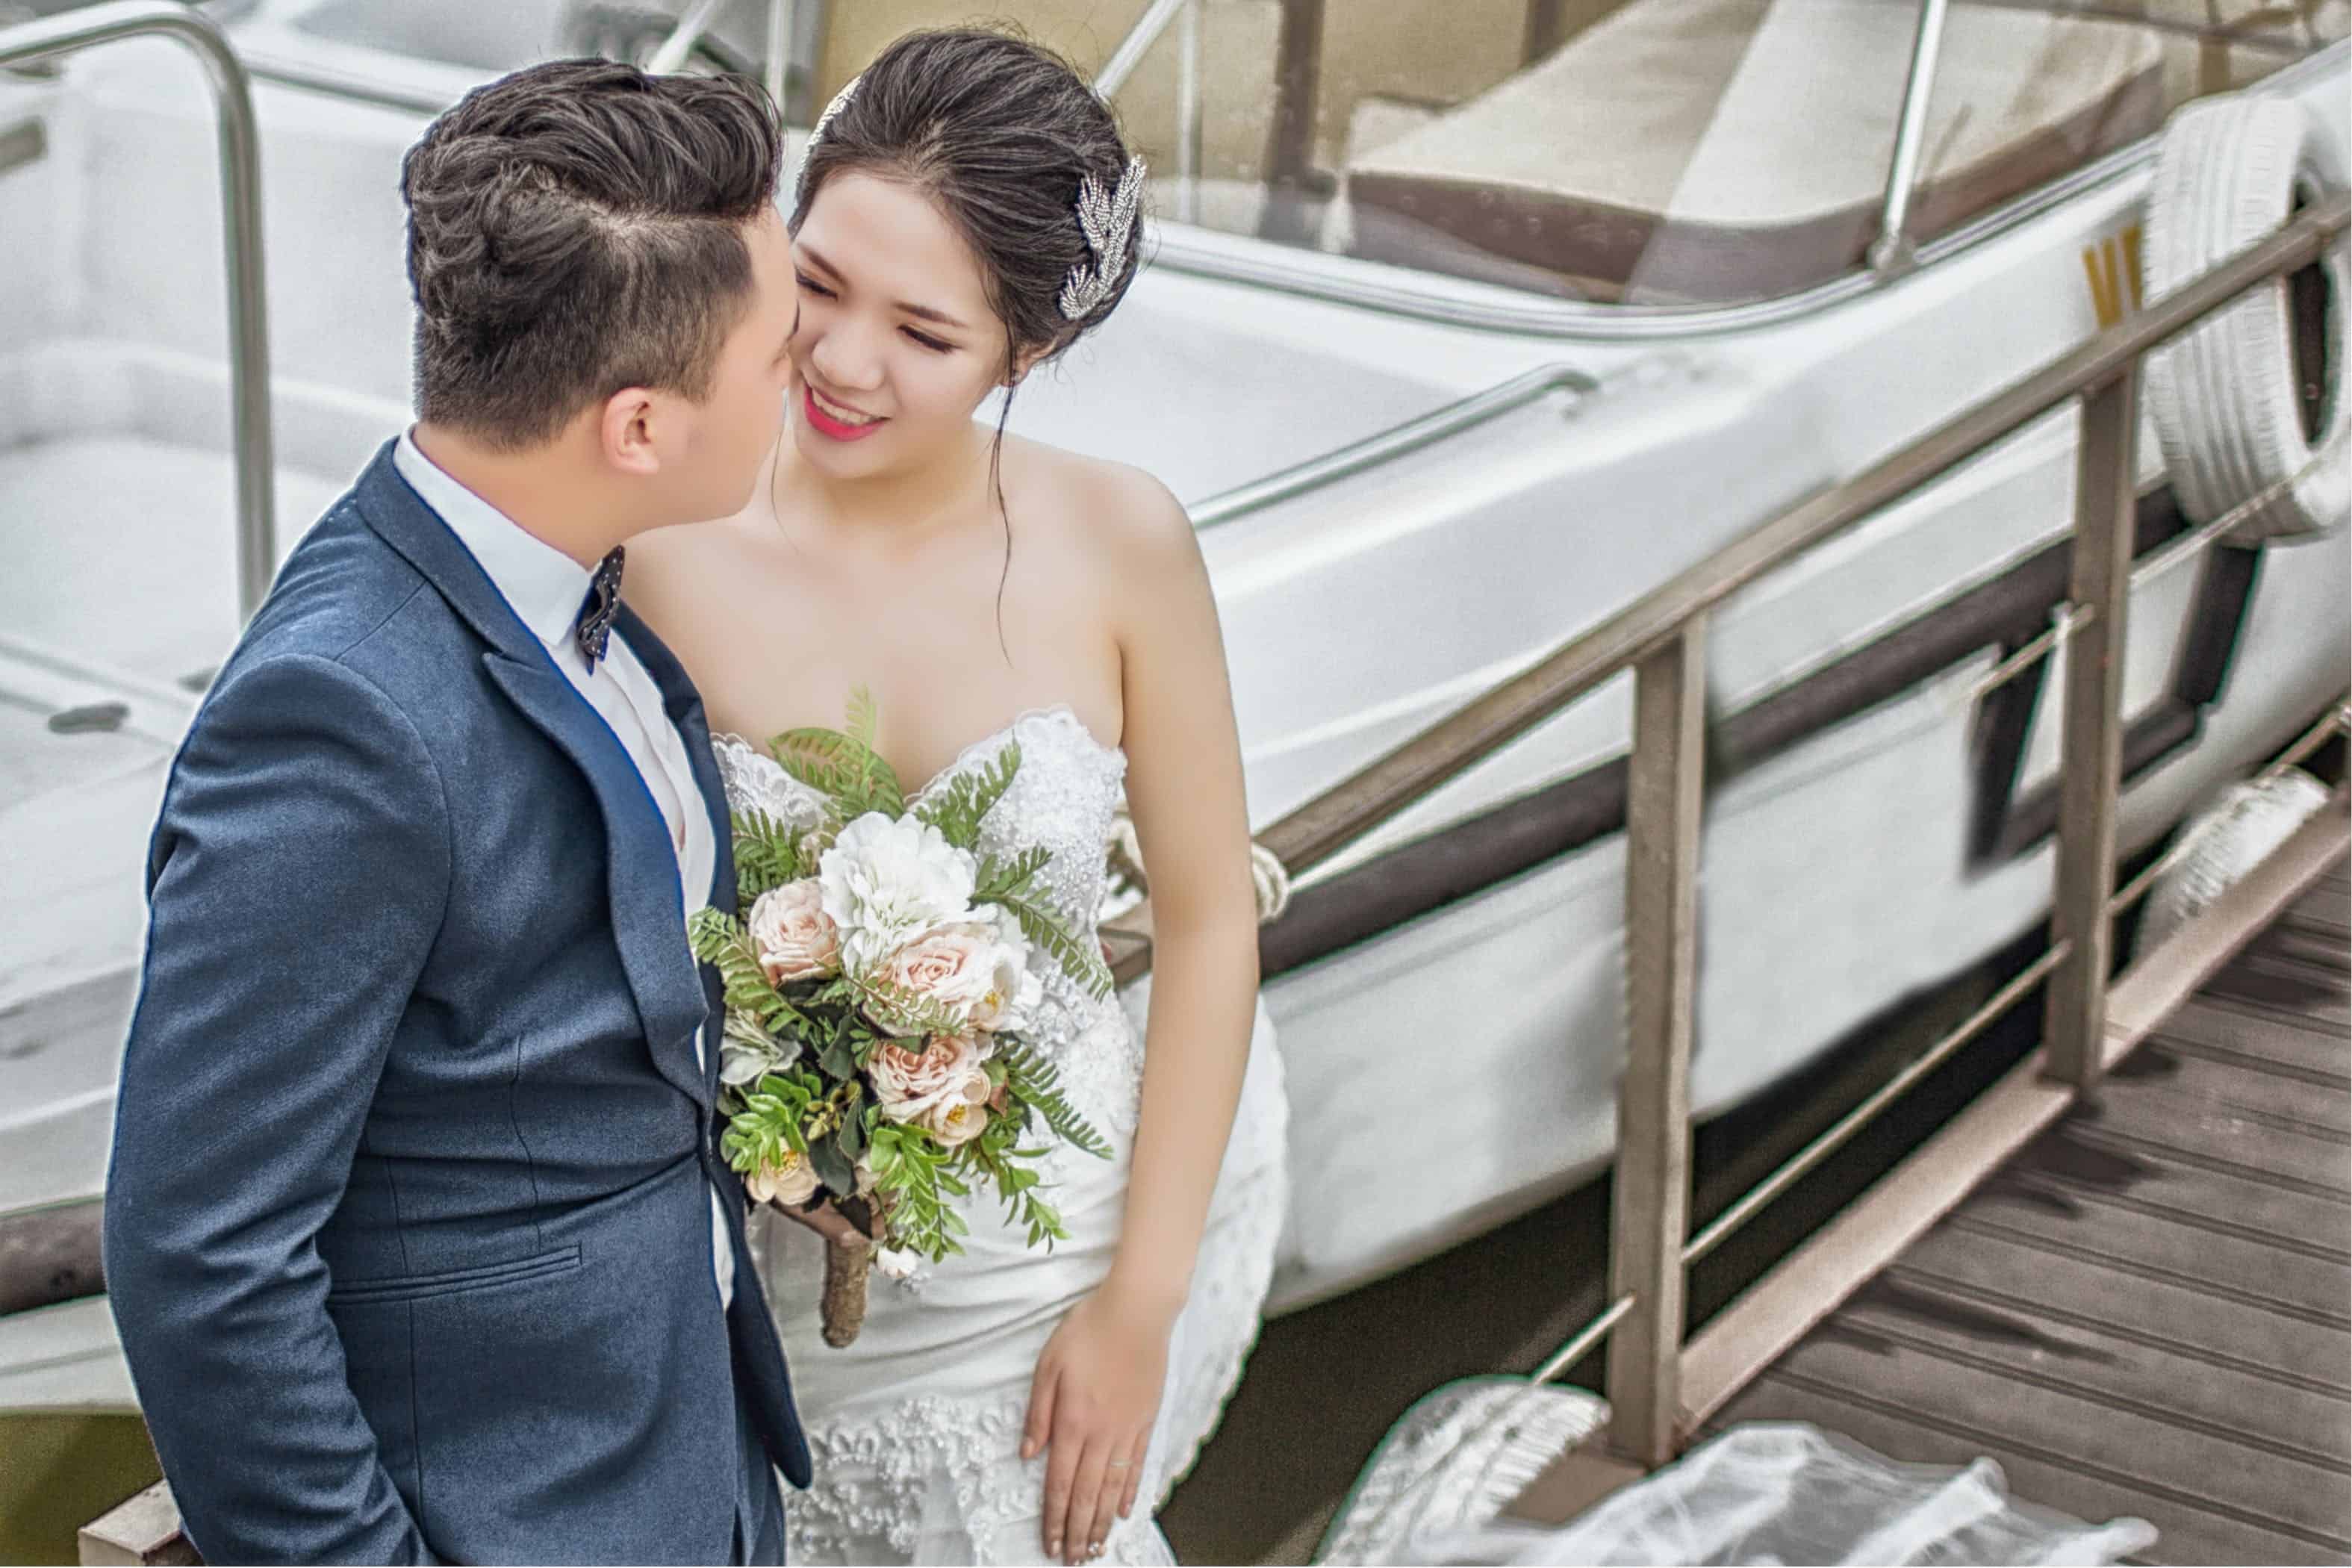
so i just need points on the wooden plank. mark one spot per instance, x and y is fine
(2238, 1268)
(2316, 947)
(2269, 1098)
(2074, 1158)
(2015, 1275)
(2294, 1497)
(2186, 1128)
(2297, 1423)
(2279, 987)
(2186, 1532)
(2224, 1031)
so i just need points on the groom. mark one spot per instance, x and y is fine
(415, 1233)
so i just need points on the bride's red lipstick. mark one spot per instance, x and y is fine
(825, 424)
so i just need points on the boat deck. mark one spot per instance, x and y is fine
(2147, 1310)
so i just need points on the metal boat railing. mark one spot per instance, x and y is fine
(1386, 446)
(1892, 252)
(1662, 638)
(1128, 53)
(50, 38)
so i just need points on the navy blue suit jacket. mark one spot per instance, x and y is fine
(406, 1233)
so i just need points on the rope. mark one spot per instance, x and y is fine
(1269, 877)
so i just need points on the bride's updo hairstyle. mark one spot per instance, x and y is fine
(1001, 133)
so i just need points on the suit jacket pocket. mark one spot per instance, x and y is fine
(456, 1281)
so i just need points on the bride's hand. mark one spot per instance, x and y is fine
(1092, 1404)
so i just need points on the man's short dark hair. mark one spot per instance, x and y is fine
(575, 229)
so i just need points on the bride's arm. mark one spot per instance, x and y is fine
(1184, 791)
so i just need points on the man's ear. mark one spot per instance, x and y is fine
(625, 431)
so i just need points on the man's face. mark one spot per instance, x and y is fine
(730, 434)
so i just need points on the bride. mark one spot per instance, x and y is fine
(967, 211)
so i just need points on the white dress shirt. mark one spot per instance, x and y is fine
(545, 588)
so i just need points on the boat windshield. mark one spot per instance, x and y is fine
(1641, 152)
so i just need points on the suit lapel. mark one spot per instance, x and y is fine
(641, 868)
(683, 703)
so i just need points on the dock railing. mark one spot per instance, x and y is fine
(70, 32)
(1662, 638)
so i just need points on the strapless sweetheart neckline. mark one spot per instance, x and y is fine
(971, 752)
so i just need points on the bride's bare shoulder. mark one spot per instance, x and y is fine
(1119, 516)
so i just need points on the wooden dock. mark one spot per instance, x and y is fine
(2147, 1310)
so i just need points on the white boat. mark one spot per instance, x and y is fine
(1468, 350)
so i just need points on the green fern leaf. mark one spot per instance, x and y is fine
(1035, 1082)
(865, 719)
(1000, 879)
(1081, 960)
(964, 800)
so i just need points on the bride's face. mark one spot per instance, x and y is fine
(897, 344)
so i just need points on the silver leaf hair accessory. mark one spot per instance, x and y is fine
(848, 91)
(1107, 219)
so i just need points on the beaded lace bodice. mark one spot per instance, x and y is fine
(1062, 800)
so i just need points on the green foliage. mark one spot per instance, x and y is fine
(1000, 879)
(834, 1167)
(768, 1119)
(767, 855)
(994, 1152)
(914, 1169)
(1080, 960)
(1036, 1083)
(721, 941)
(966, 797)
(843, 764)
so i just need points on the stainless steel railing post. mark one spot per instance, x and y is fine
(778, 64)
(1893, 250)
(249, 335)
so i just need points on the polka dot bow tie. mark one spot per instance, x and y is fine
(596, 612)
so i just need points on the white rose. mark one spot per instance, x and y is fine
(955, 1119)
(1013, 994)
(794, 936)
(908, 1083)
(887, 880)
(792, 1182)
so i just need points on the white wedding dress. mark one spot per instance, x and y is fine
(915, 1428)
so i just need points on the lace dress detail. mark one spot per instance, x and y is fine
(915, 1428)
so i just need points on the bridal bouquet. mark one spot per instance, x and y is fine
(878, 991)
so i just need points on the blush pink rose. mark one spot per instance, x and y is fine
(793, 1182)
(794, 936)
(955, 968)
(908, 1083)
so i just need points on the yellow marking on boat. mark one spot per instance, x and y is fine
(2113, 267)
